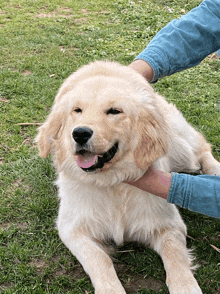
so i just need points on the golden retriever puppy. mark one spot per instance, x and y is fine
(108, 125)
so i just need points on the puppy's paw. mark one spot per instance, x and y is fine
(110, 289)
(184, 286)
(188, 291)
(214, 171)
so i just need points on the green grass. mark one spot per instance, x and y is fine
(41, 43)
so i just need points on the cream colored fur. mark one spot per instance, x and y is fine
(97, 206)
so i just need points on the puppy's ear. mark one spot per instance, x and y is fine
(153, 138)
(49, 132)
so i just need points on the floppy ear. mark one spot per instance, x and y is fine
(153, 138)
(48, 132)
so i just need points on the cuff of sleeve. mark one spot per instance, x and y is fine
(151, 55)
(179, 190)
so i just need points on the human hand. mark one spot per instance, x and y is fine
(154, 181)
(143, 68)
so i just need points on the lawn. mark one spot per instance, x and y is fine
(41, 43)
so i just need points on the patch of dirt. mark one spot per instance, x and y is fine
(141, 283)
(102, 12)
(3, 99)
(60, 272)
(131, 281)
(50, 14)
(105, 12)
(5, 226)
(60, 12)
(22, 226)
(5, 286)
(65, 9)
(134, 282)
(78, 272)
(85, 11)
(17, 183)
(26, 72)
(39, 264)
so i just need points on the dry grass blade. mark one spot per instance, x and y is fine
(29, 124)
(215, 248)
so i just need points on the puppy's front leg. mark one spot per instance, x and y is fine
(210, 165)
(97, 264)
(171, 246)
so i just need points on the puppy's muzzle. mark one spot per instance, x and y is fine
(82, 134)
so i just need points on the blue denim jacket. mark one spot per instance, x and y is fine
(183, 43)
(186, 41)
(196, 193)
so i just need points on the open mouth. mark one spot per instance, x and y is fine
(89, 162)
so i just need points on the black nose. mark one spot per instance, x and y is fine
(82, 134)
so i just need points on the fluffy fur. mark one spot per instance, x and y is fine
(96, 206)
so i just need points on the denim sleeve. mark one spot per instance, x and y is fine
(197, 193)
(185, 42)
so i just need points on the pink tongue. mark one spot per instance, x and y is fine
(86, 161)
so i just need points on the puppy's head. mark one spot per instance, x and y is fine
(105, 120)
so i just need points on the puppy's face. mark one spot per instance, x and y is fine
(101, 123)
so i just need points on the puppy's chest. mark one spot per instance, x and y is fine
(111, 213)
(112, 203)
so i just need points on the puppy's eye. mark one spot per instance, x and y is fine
(113, 111)
(77, 109)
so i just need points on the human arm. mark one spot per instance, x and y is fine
(183, 43)
(197, 193)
